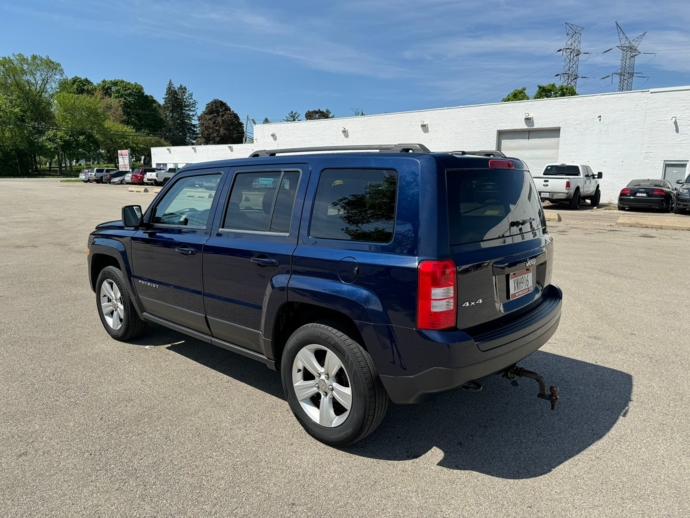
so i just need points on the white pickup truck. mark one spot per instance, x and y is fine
(569, 182)
(159, 176)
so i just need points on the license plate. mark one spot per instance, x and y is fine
(520, 283)
(544, 194)
(641, 194)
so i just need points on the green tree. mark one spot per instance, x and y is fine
(551, 90)
(266, 121)
(141, 111)
(179, 114)
(77, 85)
(218, 124)
(318, 114)
(292, 117)
(27, 85)
(519, 94)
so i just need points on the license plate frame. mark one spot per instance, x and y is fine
(641, 194)
(544, 194)
(520, 283)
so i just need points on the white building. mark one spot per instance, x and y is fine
(626, 135)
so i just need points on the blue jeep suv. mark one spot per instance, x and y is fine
(361, 276)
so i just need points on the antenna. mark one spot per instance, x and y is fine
(629, 52)
(571, 55)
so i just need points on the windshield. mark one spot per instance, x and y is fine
(485, 204)
(660, 184)
(562, 170)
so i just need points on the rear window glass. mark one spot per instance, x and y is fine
(661, 184)
(355, 205)
(562, 170)
(491, 204)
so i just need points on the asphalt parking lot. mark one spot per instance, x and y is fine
(172, 426)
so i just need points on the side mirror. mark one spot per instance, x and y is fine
(131, 215)
(679, 182)
(600, 175)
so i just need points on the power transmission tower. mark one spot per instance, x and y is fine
(629, 52)
(571, 55)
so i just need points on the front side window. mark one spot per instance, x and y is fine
(262, 201)
(355, 205)
(188, 202)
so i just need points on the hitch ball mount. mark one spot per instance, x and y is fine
(518, 372)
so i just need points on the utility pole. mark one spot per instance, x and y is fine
(629, 52)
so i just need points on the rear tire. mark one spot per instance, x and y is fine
(118, 315)
(677, 210)
(574, 203)
(320, 354)
(596, 198)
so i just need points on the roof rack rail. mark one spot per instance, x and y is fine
(484, 152)
(385, 148)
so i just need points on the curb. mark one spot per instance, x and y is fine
(552, 216)
(137, 189)
(654, 222)
(156, 191)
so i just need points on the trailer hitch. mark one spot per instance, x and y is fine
(519, 372)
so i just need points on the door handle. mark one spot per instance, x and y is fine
(186, 250)
(262, 261)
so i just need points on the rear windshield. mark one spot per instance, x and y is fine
(562, 170)
(648, 183)
(490, 204)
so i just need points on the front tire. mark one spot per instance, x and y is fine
(574, 203)
(331, 385)
(115, 307)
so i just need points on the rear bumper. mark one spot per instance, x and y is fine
(642, 202)
(475, 357)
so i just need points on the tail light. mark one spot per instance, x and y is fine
(567, 184)
(436, 294)
(659, 192)
(501, 164)
(625, 192)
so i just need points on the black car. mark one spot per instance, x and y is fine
(682, 202)
(652, 193)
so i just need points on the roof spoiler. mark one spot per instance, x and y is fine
(492, 153)
(383, 148)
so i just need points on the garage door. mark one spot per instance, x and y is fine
(534, 147)
(674, 171)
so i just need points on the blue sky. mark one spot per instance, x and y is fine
(265, 58)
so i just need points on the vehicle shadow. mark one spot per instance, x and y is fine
(584, 206)
(245, 370)
(502, 431)
(506, 431)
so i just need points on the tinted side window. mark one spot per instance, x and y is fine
(355, 205)
(262, 201)
(188, 202)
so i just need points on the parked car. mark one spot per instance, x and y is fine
(570, 183)
(128, 178)
(650, 193)
(150, 176)
(96, 175)
(361, 277)
(162, 177)
(682, 200)
(138, 176)
(84, 175)
(116, 177)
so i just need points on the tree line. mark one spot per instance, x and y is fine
(46, 117)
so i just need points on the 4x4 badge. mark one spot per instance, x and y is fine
(468, 304)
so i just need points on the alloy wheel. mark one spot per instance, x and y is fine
(322, 385)
(111, 304)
